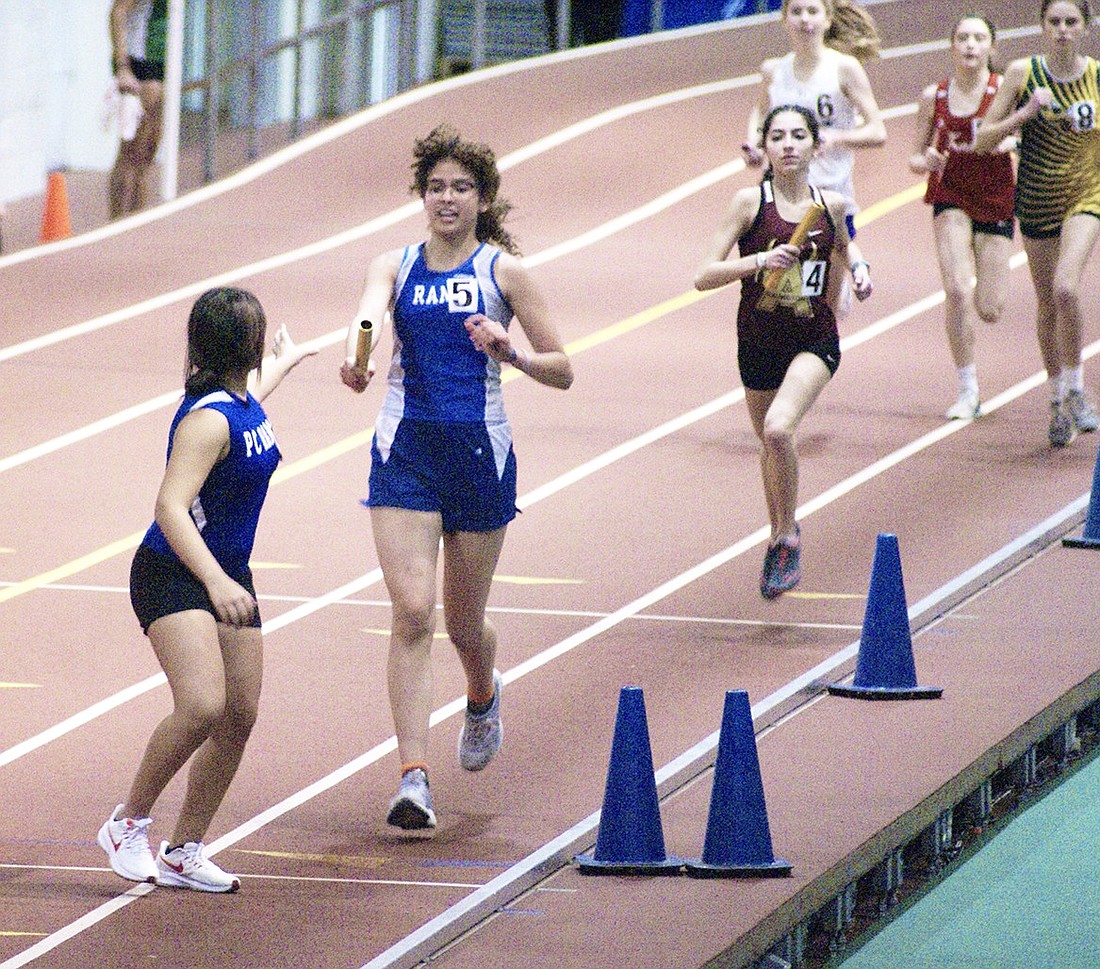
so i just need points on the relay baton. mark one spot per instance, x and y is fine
(362, 346)
(772, 277)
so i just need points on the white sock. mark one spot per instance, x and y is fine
(1073, 378)
(968, 378)
(1056, 385)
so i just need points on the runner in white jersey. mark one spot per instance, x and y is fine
(823, 73)
(822, 92)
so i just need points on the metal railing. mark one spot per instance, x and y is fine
(256, 74)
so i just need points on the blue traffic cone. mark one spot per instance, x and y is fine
(1090, 538)
(630, 839)
(738, 842)
(884, 667)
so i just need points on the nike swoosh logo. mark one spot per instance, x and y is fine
(178, 869)
(115, 844)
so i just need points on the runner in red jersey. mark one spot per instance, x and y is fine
(792, 265)
(971, 196)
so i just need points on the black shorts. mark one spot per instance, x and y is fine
(143, 70)
(1006, 227)
(161, 586)
(763, 368)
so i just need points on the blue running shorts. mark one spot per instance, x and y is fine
(449, 468)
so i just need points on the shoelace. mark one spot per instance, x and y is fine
(134, 834)
(478, 728)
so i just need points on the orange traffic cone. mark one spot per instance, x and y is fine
(55, 217)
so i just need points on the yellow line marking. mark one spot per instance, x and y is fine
(71, 568)
(889, 204)
(340, 448)
(19, 935)
(20, 686)
(347, 861)
(534, 580)
(7, 551)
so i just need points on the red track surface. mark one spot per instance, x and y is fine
(324, 883)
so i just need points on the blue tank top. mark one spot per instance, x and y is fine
(437, 374)
(227, 508)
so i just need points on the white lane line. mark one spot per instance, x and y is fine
(355, 586)
(372, 226)
(419, 945)
(395, 882)
(539, 859)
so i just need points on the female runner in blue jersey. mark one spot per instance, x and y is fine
(442, 465)
(192, 589)
(788, 347)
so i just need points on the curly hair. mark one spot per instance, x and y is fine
(444, 142)
(225, 336)
(852, 30)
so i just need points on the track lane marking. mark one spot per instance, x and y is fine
(362, 438)
(538, 494)
(538, 859)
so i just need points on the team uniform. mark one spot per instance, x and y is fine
(147, 37)
(226, 513)
(981, 185)
(822, 95)
(442, 441)
(773, 327)
(1059, 168)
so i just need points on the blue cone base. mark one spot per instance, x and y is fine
(1081, 542)
(886, 692)
(778, 868)
(589, 865)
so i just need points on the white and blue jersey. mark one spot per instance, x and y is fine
(437, 374)
(227, 508)
(442, 442)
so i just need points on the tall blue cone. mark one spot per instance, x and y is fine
(630, 840)
(738, 842)
(884, 667)
(1090, 538)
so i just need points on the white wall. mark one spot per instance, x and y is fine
(55, 67)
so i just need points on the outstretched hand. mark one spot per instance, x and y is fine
(284, 347)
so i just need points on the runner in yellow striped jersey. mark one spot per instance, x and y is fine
(1052, 100)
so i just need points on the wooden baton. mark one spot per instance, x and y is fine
(772, 277)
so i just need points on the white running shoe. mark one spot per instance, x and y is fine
(126, 841)
(1081, 411)
(411, 809)
(482, 734)
(1062, 427)
(966, 407)
(188, 867)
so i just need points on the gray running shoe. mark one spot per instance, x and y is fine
(782, 567)
(482, 733)
(1081, 410)
(1062, 428)
(411, 810)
